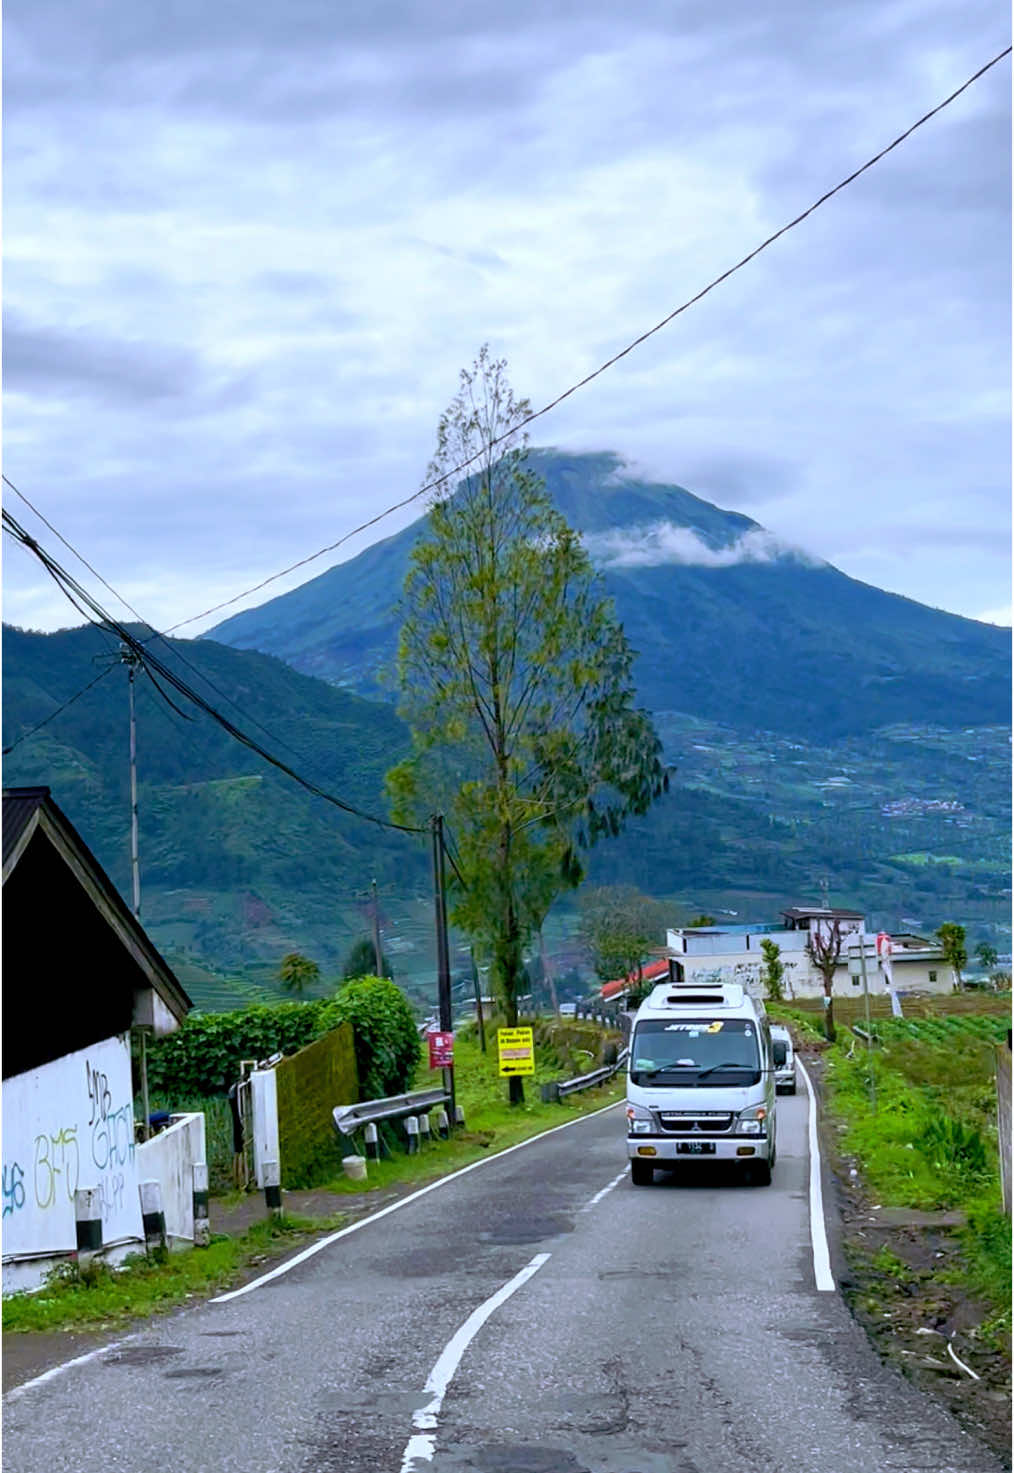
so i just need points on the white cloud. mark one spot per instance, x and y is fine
(664, 542)
(1001, 616)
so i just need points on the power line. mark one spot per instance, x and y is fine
(581, 383)
(178, 653)
(53, 714)
(92, 611)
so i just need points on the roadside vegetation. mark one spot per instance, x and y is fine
(101, 1298)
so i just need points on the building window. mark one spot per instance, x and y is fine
(933, 976)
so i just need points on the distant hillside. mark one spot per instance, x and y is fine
(729, 626)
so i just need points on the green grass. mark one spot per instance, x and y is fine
(929, 1140)
(100, 1297)
(491, 1123)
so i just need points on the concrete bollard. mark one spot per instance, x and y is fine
(459, 1116)
(202, 1227)
(88, 1223)
(273, 1188)
(372, 1143)
(152, 1216)
(424, 1130)
(443, 1125)
(412, 1134)
(550, 1093)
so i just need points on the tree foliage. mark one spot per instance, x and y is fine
(824, 946)
(386, 1037)
(516, 682)
(773, 969)
(952, 943)
(362, 961)
(986, 955)
(297, 972)
(619, 926)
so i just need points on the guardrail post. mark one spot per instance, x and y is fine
(273, 1188)
(412, 1135)
(88, 1224)
(443, 1125)
(459, 1116)
(424, 1130)
(550, 1093)
(202, 1227)
(372, 1142)
(152, 1215)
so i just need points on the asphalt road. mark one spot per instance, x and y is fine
(535, 1315)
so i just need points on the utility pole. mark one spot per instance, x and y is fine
(443, 951)
(378, 957)
(131, 661)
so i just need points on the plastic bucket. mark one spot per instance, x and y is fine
(355, 1167)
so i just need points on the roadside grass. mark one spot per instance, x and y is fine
(926, 1138)
(99, 1297)
(491, 1123)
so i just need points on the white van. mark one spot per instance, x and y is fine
(700, 1081)
(784, 1060)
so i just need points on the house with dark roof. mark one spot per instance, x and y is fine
(82, 983)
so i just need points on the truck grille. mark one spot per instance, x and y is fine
(702, 1123)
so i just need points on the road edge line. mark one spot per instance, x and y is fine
(818, 1229)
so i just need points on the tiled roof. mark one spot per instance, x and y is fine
(19, 808)
(653, 972)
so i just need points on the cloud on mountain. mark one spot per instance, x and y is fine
(661, 543)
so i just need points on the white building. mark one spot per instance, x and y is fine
(733, 953)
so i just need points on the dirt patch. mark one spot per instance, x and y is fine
(898, 1265)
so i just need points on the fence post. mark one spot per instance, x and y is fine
(202, 1227)
(87, 1223)
(273, 1188)
(1003, 1119)
(152, 1216)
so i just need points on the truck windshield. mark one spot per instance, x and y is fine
(695, 1051)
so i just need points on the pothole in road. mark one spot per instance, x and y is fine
(194, 1373)
(527, 1230)
(141, 1355)
(523, 1458)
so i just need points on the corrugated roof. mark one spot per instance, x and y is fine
(20, 806)
(798, 912)
(650, 973)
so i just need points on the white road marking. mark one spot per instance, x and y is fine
(421, 1445)
(54, 1371)
(283, 1268)
(818, 1232)
(605, 1190)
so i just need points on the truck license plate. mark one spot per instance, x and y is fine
(696, 1148)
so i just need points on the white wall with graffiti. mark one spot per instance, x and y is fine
(66, 1125)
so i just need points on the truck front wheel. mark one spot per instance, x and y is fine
(642, 1173)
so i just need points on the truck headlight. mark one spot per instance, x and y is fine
(639, 1121)
(751, 1121)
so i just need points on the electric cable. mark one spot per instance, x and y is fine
(154, 667)
(442, 480)
(53, 714)
(155, 634)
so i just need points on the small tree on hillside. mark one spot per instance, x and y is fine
(619, 926)
(701, 920)
(362, 961)
(824, 947)
(297, 972)
(773, 970)
(952, 943)
(987, 955)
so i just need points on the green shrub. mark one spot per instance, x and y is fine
(203, 1056)
(386, 1038)
(951, 1145)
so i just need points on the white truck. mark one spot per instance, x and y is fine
(700, 1082)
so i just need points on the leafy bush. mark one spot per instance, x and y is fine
(386, 1039)
(204, 1054)
(951, 1145)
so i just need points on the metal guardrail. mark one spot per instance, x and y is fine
(558, 1089)
(350, 1118)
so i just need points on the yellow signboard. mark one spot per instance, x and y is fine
(517, 1050)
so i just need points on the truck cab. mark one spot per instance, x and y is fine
(700, 1082)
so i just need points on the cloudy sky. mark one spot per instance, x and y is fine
(248, 248)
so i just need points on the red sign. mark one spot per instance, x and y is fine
(441, 1050)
